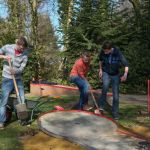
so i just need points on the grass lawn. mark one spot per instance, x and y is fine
(11, 135)
(135, 119)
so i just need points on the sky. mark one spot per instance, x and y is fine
(50, 8)
(3, 11)
(52, 13)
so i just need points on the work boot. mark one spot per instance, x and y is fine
(87, 107)
(116, 118)
(101, 111)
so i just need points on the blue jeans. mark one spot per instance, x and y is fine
(83, 86)
(115, 80)
(7, 88)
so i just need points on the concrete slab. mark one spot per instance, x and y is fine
(95, 132)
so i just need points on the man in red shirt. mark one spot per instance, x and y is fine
(78, 76)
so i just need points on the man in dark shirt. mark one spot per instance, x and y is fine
(110, 60)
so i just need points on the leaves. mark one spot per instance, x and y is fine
(126, 24)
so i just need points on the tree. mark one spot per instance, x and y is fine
(65, 12)
(23, 19)
(49, 59)
(94, 21)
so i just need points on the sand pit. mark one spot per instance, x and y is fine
(43, 141)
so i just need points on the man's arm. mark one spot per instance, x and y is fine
(124, 77)
(22, 66)
(2, 53)
(100, 69)
(5, 57)
(80, 70)
(100, 64)
(126, 69)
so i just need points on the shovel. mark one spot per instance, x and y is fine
(96, 111)
(21, 108)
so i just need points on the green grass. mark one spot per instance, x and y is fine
(9, 137)
(131, 115)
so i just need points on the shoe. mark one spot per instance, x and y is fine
(97, 111)
(116, 118)
(1, 126)
(87, 107)
(101, 111)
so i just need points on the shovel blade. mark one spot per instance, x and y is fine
(22, 112)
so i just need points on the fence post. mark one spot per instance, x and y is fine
(148, 101)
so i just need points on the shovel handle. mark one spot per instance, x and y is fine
(94, 100)
(15, 84)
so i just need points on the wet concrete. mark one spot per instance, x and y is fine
(92, 131)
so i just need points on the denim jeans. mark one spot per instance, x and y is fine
(115, 80)
(7, 88)
(83, 86)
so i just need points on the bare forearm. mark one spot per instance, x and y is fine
(4, 57)
(124, 77)
(100, 69)
(100, 65)
(126, 70)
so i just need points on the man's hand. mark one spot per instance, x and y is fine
(100, 73)
(124, 77)
(12, 71)
(8, 58)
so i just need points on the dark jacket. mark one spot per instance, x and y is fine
(111, 62)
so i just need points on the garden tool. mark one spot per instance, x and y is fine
(22, 112)
(96, 111)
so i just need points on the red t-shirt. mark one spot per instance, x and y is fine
(80, 68)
